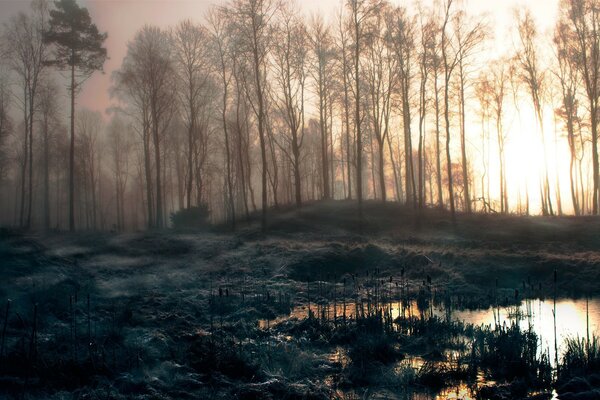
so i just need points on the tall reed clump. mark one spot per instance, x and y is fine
(581, 357)
(511, 353)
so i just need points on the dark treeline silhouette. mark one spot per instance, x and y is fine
(259, 106)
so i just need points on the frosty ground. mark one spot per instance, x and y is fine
(205, 314)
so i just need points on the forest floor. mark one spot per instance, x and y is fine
(175, 315)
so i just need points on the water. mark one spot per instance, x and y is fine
(574, 318)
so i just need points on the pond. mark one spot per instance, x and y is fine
(574, 318)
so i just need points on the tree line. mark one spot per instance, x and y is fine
(260, 106)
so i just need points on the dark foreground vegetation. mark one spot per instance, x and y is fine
(316, 309)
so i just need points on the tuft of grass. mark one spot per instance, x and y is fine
(581, 357)
(509, 353)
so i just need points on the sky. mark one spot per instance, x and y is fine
(122, 18)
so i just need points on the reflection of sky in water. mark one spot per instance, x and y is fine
(570, 317)
(570, 320)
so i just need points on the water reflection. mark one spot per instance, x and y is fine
(573, 317)
(572, 320)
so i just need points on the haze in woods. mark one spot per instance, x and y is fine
(264, 199)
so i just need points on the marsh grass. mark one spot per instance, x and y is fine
(581, 358)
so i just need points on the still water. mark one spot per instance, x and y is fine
(574, 318)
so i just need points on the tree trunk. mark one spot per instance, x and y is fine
(30, 190)
(72, 150)
(227, 150)
(261, 132)
(463, 144)
(595, 162)
(359, 188)
(46, 176)
(448, 157)
(381, 168)
(438, 156)
(24, 166)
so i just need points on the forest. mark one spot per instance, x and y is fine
(393, 200)
(260, 106)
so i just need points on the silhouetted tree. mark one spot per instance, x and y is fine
(27, 54)
(77, 48)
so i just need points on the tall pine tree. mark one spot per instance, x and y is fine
(78, 49)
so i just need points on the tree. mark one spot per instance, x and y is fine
(192, 68)
(360, 12)
(568, 76)
(147, 80)
(345, 70)
(453, 48)
(381, 82)
(5, 123)
(322, 48)
(290, 59)
(532, 77)
(27, 55)
(130, 86)
(253, 23)
(48, 109)
(428, 31)
(405, 49)
(436, 70)
(78, 48)
(583, 17)
(449, 62)
(468, 36)
(498, 90)
(89, 125)
(483, 92)
(119, 145)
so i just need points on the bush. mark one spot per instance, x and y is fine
(191, 218)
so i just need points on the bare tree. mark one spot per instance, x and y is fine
(533, 78)
(253, 22)
(192, 68)
(428, 31)
(48, 109)
(405, 49)
(360, 11)
(436, 70)
(498, 91)
(323, 54)
(454, 45)
(583, 17)
(483, 93)
(89, 125)
(290, 62)
(469, 34)
(345, 70)
(27, 56)
(381, 82)
(146, 78)
(120, 147)
(6, 128)
(568, 76)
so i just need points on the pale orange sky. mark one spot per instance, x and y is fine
(122, 18)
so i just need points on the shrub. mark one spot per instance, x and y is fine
(191, 218)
